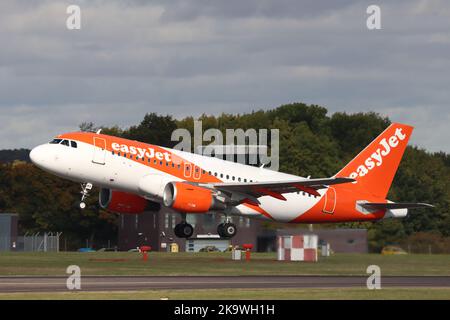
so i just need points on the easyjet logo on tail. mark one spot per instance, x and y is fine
(142, 152)
(376, 158)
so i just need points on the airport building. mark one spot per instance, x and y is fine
(155, 228)
(8, 231)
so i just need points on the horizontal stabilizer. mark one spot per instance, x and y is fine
(393, 205)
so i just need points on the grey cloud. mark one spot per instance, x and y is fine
(190, 57)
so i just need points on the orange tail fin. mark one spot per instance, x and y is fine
(374, 168)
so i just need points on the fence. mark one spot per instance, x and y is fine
(47, 242)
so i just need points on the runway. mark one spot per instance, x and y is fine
(132, 283)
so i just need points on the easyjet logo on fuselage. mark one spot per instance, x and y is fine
(141, 152)
(376, 158)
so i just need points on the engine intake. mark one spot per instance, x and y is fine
(185, 197)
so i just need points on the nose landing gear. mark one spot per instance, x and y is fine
(85, 189)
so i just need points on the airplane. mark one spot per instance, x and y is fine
(131, 175)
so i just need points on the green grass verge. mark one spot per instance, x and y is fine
(253, 294)
(216, 264)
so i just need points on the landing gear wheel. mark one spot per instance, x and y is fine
(220, 230)
(183, 230)
(82, 205)
(227, 230)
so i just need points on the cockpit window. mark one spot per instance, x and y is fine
(73, 144)
(55, 141)
(65, 142)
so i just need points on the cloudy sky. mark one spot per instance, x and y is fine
(188, 57)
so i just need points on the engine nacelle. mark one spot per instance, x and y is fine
(121, 202)
(152, 185)
(189, 198)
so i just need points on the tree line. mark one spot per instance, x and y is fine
(312, 143)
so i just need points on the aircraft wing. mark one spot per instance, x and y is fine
(393, 205)
(277, 188)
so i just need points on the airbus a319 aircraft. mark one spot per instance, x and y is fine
(131, 174)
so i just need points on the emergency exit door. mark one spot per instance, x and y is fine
(99, 150)
(330, 201)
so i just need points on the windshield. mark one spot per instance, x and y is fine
(55, 141)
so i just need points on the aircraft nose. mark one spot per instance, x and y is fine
(36, 155)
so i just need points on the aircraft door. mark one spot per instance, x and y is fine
(330, 201)
(99, 151)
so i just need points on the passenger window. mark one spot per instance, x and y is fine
(245, 180)
(55, 141)
(233, 178)
(73, 144)
(65, 142)
(239, 179)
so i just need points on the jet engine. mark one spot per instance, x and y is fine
(190, 198)
(121, 202)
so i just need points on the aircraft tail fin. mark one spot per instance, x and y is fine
(374, 168)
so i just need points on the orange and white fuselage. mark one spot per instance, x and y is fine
(145, 170)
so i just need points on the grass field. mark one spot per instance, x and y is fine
(253, 294)
(102, 263)
(125, 263)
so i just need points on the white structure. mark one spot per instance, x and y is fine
(326, 251)
(298, 247)
(236, 254)
(199, 243)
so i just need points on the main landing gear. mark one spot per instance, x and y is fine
(85, 189)
(183, 229)
(227, 229)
